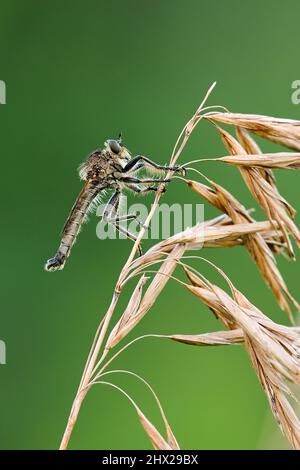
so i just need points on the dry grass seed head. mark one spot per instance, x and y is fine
(273, 204)
(255, 243)
(281, 160)
(273, 349)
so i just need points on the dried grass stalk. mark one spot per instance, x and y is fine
(273, 349)
(93, 360)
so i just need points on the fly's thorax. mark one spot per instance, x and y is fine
(96, 166)
(103, 163)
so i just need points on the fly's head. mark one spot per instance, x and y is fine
(116, 150)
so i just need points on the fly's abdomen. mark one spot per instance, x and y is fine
(73, 224)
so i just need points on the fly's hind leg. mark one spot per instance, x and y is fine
(129, 235)
(141, 189)
(110, 215)
(111, 211)
(140, 185)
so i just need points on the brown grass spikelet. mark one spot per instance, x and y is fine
(255, 243)
(211, 339)
(285, 132)
(281, 160)
(274, 349)
(129, 314)
(157, 440)
(273, 204)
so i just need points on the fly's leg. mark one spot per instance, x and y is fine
(140, 189)
(131, 179)
(134, 183)
(112, 207)
(129, 235)
(110, 215)
(140, 161)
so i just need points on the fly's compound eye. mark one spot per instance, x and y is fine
(114, 146)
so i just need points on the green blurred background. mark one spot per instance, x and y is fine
(78, 72)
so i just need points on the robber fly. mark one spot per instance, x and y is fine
(109, 168)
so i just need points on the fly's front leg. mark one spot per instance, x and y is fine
(140, 161)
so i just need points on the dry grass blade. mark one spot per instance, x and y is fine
(255, 242)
